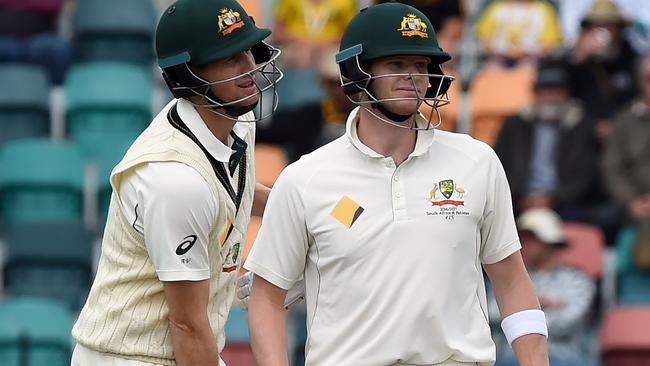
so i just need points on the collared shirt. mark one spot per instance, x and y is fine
(391, 255)
(151, 201)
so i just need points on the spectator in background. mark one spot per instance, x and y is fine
(307, 127)
(518, 30)
(29, 33)
(304, 27)
(550, 155)
(602, 65)
(565, 294)
(627, 161)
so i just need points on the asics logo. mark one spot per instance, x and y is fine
(186, 245)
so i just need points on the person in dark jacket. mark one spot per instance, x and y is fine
(550, 154)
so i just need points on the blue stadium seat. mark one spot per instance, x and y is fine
(50, 259)
(116, 30)
(298, 88)
(34, 332)
(40, 179)
(24, 102)
(108, 104)
(237, 326)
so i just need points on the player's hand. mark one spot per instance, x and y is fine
(245, 286)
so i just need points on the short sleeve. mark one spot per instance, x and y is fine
(280, 249)
(499, 236)
(176, 210)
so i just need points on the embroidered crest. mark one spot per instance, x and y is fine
(447, 197)
(229, 20)
(413, 26)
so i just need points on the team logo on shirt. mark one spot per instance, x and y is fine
(347, 211)
(230, 264)
(447, 197)
(412, 26)
(229, 20)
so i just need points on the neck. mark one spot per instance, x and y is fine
(220, 126)
(384, 138)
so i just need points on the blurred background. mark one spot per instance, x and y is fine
(560, 89)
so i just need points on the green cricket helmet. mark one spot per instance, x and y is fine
(194, 33)
(391, 29)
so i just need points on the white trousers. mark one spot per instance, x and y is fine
(84, 356)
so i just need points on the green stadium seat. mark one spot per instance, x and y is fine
(108, 104)
(51, 259)
(633, 284)
(106, 162)
(24, 107)
(117, 30)
(34, 332)
(40, 179)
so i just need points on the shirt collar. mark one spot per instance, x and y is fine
(422, 143)
(213, 145)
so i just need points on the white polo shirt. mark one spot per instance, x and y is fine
(391, 256)
(150, 201)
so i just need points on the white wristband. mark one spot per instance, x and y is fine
(522, 323)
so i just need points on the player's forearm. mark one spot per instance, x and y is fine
(194, 345)
(267, 325)
(531, 350)
(259, 199)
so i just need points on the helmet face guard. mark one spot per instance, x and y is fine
(357, 85)
(185, 83)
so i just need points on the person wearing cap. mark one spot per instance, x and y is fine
(602, 65)
(391, 225)
(566, 294)
(182, 197)
(550, 154)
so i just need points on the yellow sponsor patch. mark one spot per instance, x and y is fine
(346, 211)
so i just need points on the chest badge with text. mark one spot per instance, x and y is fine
(447, 200)
(347, 211)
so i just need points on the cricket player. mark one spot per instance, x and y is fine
(182, 198)
(392, 224)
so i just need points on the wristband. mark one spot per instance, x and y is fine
(522, 323)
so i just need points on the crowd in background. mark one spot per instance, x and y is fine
(560, 89)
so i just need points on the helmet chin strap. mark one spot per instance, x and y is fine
(234, 111)
(391, 115)
(386, 112)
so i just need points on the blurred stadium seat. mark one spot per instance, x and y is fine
(586, 248)
(117, 30)
(107, 105)
(237, 350)
(625, 339)
(269, 162)
(238, 354)
(24, 102)
(496, 93)
(633, 284)
(40, 179)
(49, 259)
(298, 87)
(34, 332)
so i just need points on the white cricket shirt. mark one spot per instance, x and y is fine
(150, 200)
(391, 255)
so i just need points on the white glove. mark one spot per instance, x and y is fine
(245, 285)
